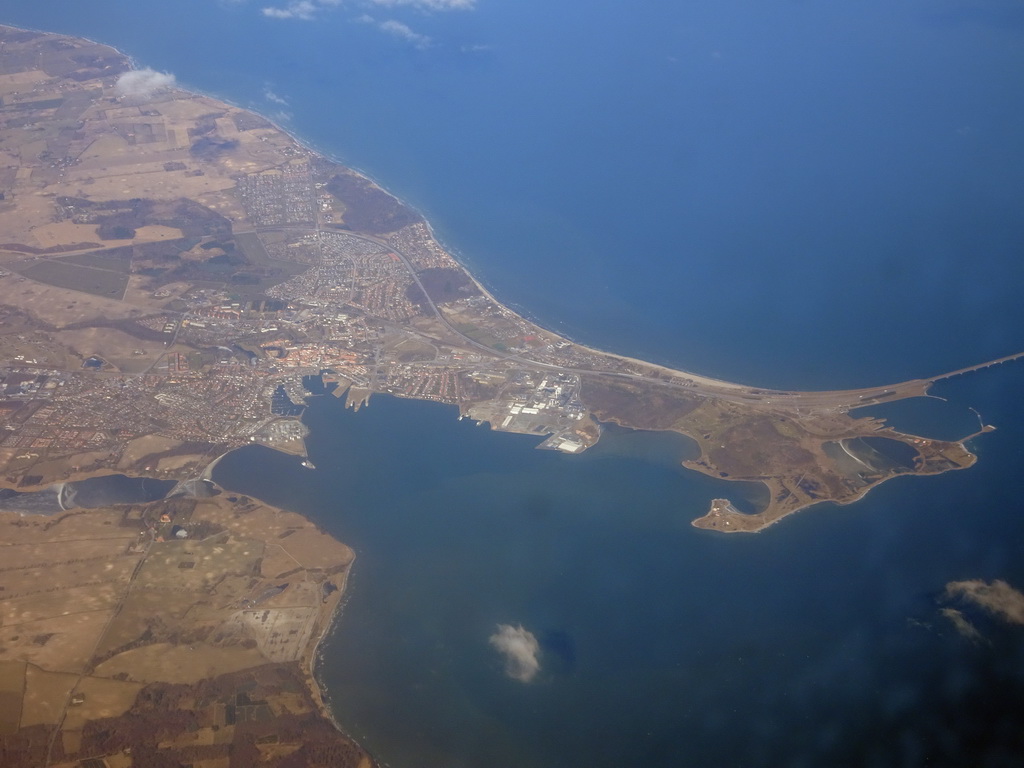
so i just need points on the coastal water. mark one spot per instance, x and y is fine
(786, 194)
(816, 642)
(795, 195)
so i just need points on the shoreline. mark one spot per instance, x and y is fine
(722, 509)
(631, 372)
(331, 155)
(315, 660)
(458, 256)
(316, 650)
(320, 693)
(313, 655)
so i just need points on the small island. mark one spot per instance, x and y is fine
(177, 275)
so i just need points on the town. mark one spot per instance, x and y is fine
(179, 276)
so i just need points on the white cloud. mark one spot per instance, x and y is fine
(299, 9)
(430, 5)
(997, 597)
(269, 95)
(963, 626)
(403, 31)
(520, 649)
(306, 10)
(143, 83)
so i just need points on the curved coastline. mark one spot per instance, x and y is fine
(609, 374)
(456, 253)
(318, 649)
(333, 156)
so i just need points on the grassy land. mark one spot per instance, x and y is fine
(99, 282)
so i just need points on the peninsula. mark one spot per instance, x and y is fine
(176, 274)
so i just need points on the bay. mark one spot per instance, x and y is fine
(660, 644)
(789, 195)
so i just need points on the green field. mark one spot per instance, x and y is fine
(115, 260)
(99, 282)
(480, 335)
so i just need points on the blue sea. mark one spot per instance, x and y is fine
(790, 194)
